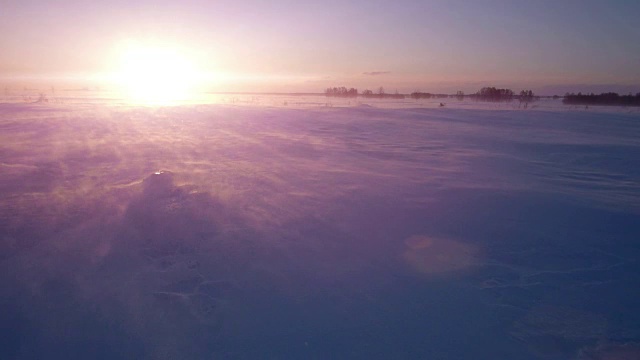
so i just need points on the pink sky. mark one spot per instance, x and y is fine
(307, 46)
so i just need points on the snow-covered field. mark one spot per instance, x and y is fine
(264, 228)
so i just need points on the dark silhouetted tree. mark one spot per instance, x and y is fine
(494, 94)
(421, 95)
(341, 92)
(527, 96)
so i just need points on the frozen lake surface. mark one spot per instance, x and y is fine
(285, 228)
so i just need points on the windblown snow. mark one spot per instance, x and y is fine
(309, 232)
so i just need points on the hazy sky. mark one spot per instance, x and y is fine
(308, 45)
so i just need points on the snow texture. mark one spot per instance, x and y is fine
(308, 231)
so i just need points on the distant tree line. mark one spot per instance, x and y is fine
(341, 92)
(493, 94)
(381, 94)
(484, 94)
(352, 92)
(609, 98)
(423, 95)
(497, 94)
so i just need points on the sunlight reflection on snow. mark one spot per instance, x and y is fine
(431, 255)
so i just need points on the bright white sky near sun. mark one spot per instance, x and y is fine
(307, 46)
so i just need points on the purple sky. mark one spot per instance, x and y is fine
(550, 46)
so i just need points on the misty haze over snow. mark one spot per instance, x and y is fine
(248, 230)
(193, 179)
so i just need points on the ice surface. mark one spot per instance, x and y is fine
(307, 231)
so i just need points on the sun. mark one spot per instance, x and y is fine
(155, 75)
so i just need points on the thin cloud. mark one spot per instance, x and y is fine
(376, 73)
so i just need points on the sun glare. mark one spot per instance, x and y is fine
(155, 75)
